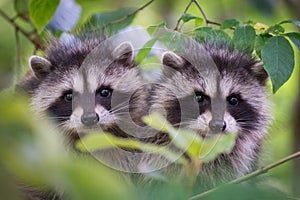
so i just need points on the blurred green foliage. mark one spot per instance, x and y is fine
(32, 152)
(36, 156)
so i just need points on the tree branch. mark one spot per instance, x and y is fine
(34, 40)
(251, 175)
(129, 15)
(207, 21)
(184, 12)
(17, 67)
(202, 11)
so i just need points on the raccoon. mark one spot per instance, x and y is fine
(87, 84)
(212, 89)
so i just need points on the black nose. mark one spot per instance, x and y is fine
(217, 126)
(89, 119)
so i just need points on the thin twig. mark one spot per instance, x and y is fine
(207, 21)
(251, 175)
(33, 40)
(202, 11)
(212, 22)
(184, 12)
(129, 15)
(17, 69)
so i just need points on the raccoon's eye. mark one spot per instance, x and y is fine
(233, 100)
(105, 92)
(68, 97)
(199, 97)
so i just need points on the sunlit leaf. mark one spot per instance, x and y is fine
(198, 22)
(194, 145)
(157, 122)
(213, 146)
(278, 58)
(100, 141)
(183, 139)
(41, 12)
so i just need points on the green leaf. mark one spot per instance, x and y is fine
(84, 179)
(21, 6)
(207, 34)
(99, 141)
(184, 139)
(145, 50)
(174, 41)
(296, 22)
(213, 146)
(260, 42)
(187, 17)
(41, 12)
(154, 28)
(244, 38)
(110, 20)
(229, 23)
(36, 154)
(295, 37)
(278, 58)
(198, 22)
(276, 29)
(194, 145)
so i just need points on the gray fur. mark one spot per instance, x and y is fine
(84, 66)
(218, 72)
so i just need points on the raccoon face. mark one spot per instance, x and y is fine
(221, 95)
(95, 95)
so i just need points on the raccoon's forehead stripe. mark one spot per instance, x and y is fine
(78, 83)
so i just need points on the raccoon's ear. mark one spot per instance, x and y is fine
(40, 67)
(171, 59)
(260, 73)
(123, 53)
(171, 63)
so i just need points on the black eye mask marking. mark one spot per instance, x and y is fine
(245, 115)
(103, 97)
(61, 109)
(187, 108)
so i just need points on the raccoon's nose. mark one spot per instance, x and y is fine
(217, 126)
(90, 119)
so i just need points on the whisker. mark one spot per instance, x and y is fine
(114, 110)
(121, 104)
